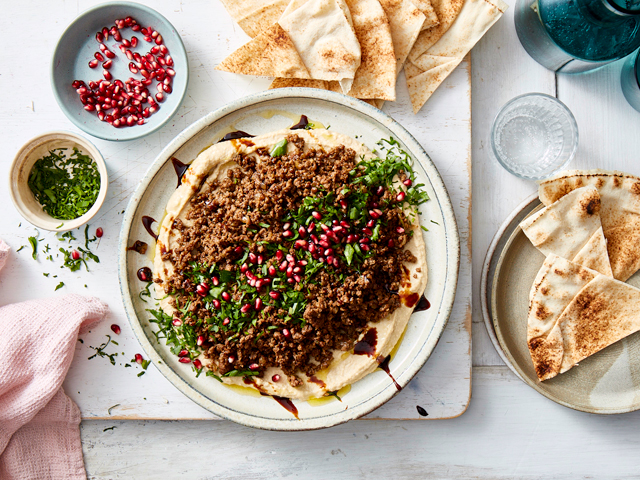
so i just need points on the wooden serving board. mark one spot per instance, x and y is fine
(443, 127)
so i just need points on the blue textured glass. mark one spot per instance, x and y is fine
(572, 36)
(630, 80)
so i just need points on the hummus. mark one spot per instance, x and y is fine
(346, 365)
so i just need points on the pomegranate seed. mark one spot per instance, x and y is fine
(99, 37)
(336, 263)
(367, 231)
(133, 68)
(238, 249)
(226, 321)
(259, 283)
(145, 31)
(302, 231)
(350, 238)
(286, 233)
(134, 42)
(311, 227)
(391, 243)
(254, 366)
(77, 83)
(272, 271)
(109, 54)
(160, 87)
(286, 226)
(400, 230)
(290, 258)
(364, 240)
(169, 60)
(93, 63)
(260, 259)
(337, 229)
(106, 74)
(176, 322)
(171, 72)
(138, 358)
(202, 289)
(164, 50)
(184, 360)
(276, 378)
(371, 223)
(275, 295)
(365, 247)
(279, 255)
(244, 268)
(126, 43)
(324, 227)
(115, 329)
(283, 266)
(145, 73)
(303, 263)
(154, 50)
(232, 359)
(289, 272)
(105, 33)
(400, 196)
(297, 278)
(75, 254)
(154, 33)
(380, 190)
(407, 182)
(216, 303)
(323, 243)
(183, 353)
(225, 296)
(316, 215)
(252, 257)
(343, 203)
(147, 39)
(107, 64)
(328, 251)
(215, 281)
(160, 97)
(300, 244)
(123, 49)
(135, 28)
(101, 116)
(159, 40)
(200, 340)
(245, 308)
(258, 305)
(197, 363)
(329, 259)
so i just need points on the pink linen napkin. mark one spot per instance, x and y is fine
(39, 424)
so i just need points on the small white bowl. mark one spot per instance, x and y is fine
(21, 195)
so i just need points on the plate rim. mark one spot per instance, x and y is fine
(490, 318)
(452, 248)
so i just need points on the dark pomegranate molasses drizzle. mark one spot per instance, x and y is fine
(180, 168)
(304, 121)
(235, 135)
(147, 221)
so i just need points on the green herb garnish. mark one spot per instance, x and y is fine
(279, 148)
(59, 286)
(65, 186)
(34, 245)
(101, 353)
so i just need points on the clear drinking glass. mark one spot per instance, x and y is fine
(534, 136)
(630, 80)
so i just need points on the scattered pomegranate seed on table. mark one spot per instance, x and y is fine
(99, 232)
(115, 329)
(138, 358)
(75, 255)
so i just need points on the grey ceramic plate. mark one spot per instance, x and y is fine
(607, 382)
(258, 114)
(77, 46)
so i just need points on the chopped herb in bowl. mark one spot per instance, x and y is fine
(65, 185)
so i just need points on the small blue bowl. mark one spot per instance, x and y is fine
(76, 48)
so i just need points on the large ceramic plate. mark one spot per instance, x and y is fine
(262, 113)
(607, 382)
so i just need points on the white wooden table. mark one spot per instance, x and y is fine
(508, 431)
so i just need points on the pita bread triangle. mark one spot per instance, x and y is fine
(255, 16)
(405, 21)
(604, 312)
(556, 285)
(619, 213)
(431, 17)
(594, 254)
(569, 228)
(440, 49)
(271, 53)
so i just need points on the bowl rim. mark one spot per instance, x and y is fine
(63, 106)
(23, 154)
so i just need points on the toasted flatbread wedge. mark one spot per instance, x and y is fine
(619, 213)
(569, 228)
(431, 17)
(405, 20)
(439, 50)
(271, 53)
(255, 16)
(604, 311)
